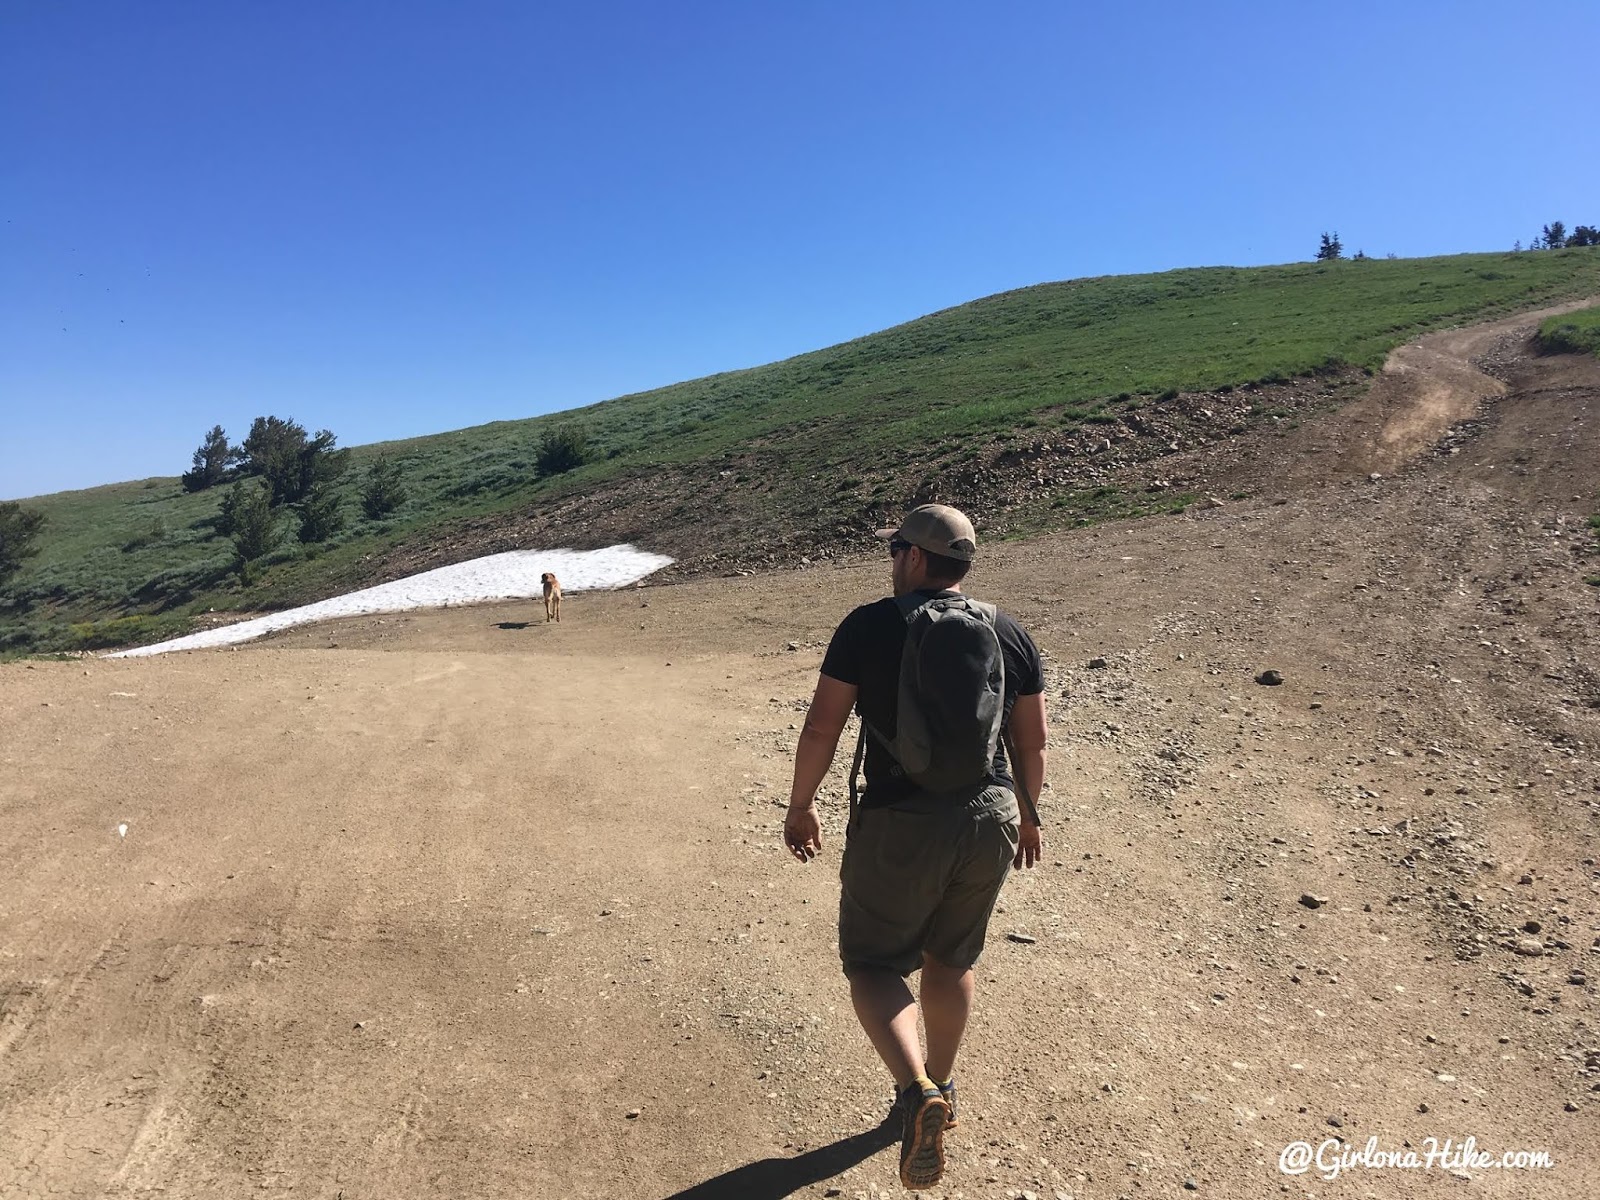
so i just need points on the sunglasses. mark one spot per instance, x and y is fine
(896, 545)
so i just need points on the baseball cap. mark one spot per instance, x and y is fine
(938, 528)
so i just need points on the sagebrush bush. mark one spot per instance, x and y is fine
(126, 631)
(153, 535)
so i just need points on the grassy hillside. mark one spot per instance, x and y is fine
(1575, 333)
(828, 438)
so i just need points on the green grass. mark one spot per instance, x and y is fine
(139, 629)
(1575, 333)
(1041, 359)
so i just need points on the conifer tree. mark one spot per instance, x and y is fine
(210, 463)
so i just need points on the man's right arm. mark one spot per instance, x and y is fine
(819, 739)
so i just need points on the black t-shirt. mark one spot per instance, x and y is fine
(865, 651)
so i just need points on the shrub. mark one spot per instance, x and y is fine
(496, 479)
(382, 492)
(562, 449)
(126, 631)
(178, 583)
(156, 532)
(20, 639)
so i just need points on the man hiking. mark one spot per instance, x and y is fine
(943, 685)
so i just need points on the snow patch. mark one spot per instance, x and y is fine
(513, 575)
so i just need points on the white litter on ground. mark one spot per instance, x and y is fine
(513, 575)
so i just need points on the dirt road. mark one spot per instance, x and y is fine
(459, 904)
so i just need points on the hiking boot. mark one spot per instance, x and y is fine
(925, 1114)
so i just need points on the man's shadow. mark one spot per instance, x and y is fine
(775, 1178)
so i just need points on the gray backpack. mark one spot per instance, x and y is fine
(952, 696)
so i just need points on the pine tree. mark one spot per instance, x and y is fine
(251, 521)
(289, 460)
(19, 530)
(320, 514)
(210, 463)
(1331, 248)
(383, 492)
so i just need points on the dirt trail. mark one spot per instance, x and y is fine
(1428, 386)
(462, 904)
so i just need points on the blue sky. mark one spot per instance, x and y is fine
(397, 218)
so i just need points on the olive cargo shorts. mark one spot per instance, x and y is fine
(915, 881)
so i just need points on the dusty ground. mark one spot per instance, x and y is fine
(465, 905)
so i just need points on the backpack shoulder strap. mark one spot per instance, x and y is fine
(911, 604)
(855, 773)
(988, 613)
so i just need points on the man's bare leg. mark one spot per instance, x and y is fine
(888, 1013)
(946, 1005)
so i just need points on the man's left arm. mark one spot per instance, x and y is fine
(1029, 734)
(813, 755)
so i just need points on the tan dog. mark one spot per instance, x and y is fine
(552, 597)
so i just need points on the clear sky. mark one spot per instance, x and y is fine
(400, 217)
